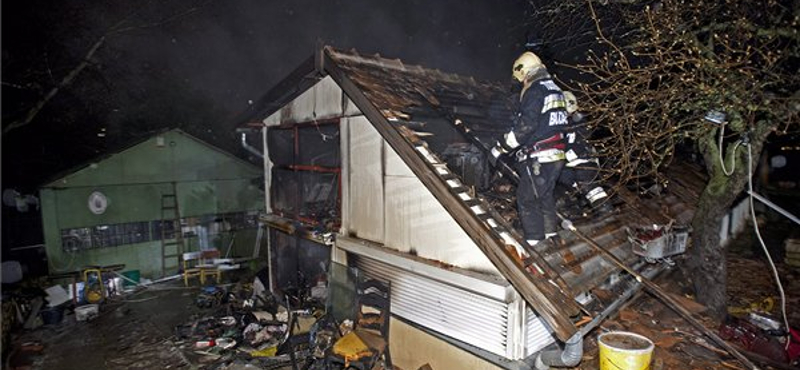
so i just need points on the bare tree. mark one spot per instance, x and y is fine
(656, 69)
(134, 20)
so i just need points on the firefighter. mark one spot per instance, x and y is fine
(537, 143)
(582, 164)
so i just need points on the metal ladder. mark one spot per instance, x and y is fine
(172, 243)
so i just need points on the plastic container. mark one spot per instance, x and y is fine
(53, 315)
(134, 275)
(621, 350)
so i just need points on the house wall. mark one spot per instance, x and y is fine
(324, 100)
(207, 182)
(389, 205)
(382, 200)
(384, 203)
(411, 348)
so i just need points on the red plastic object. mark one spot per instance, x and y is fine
(753, 339)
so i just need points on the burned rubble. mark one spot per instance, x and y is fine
(552, 301)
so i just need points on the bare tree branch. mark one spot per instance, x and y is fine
(50, 94)
(86, 60)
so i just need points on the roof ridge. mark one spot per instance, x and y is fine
(380, 61)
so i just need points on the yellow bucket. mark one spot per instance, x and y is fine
(621, 350)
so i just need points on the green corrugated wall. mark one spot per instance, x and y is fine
(207, 181)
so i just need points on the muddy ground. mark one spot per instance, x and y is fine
(137, 333)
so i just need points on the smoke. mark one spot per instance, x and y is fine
(196, 64)
(236, 51)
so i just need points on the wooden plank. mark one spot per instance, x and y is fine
(541, 294)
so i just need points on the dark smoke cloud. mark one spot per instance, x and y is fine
(200, 70)
(235, 51)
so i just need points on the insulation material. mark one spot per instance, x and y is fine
(416, 221)
(324, 100)
(366, 180)
(327, 99)
(274, 119)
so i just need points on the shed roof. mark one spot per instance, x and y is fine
(418, 111)
(137, 163)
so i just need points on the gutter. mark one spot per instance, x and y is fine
(251, 149)
(572, 353)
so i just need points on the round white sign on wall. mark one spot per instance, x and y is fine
(98, 203)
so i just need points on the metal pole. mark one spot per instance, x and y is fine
(774, 206)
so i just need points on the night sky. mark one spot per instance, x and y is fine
(199, 64)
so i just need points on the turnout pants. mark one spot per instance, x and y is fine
(582, 174)
(536, 204)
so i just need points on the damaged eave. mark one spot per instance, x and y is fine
(554, 306)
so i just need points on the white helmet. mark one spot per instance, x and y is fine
(572, 102)
(526, 63)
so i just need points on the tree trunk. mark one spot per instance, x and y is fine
(707, 263)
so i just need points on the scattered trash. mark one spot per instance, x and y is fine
(56, 295)
(210, 297)
(202, 344)
(754, 339)
(225, 343)
(87, 312)
(659, 241)
(53, 315)
(263, 316)
(320, 291)
(237, 325)
(763, 322)
(266, 352)
(228, 321)
(765, 305)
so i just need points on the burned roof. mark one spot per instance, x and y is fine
(423, 114)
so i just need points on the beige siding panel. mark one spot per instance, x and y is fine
(327, 99)
(394, 164)
(411, 348)
(416, 221)
(350, 108)
(366, 180)
(322, 101)
(274, 119)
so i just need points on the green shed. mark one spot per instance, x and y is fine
(145, 205)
